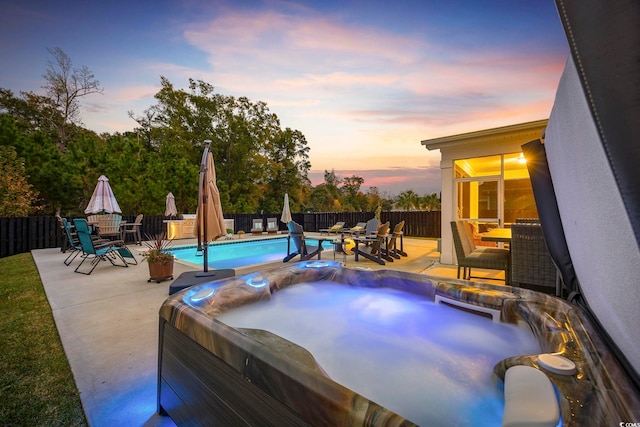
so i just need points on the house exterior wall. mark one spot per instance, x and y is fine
(503, 140)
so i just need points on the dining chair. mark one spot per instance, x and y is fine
(133, 229)
(471, 256)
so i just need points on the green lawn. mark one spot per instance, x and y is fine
(36, 383)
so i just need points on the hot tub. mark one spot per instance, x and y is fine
(211, 373)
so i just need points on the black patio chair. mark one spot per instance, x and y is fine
(470, 256)
(296, 235)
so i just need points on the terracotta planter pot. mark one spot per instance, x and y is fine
(160, 271)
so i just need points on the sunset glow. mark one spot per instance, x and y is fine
(365, 83)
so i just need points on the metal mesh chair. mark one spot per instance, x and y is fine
(115, 252)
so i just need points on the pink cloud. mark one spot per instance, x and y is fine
(393, 181)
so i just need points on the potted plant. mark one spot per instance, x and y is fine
(159, 259)
(240, 234)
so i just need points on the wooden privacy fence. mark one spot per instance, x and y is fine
(18, 235)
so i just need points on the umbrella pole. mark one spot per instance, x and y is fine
(204, 228)
(205, 199)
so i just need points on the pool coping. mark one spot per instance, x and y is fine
(245, 269)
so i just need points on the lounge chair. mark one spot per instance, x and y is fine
(471, 256)
(371, 229)
(112, 251)
(396, 235)
(73, 244)
(272, 225)
(133, 228)
(337, 228)
(377, 245)
(357, 229)
(296, 235)
(257, 227)
(65, 240)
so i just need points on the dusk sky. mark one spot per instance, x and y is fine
(364, 81)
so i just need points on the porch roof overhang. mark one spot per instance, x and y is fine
(505, 134)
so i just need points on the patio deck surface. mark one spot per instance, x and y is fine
(108, 325)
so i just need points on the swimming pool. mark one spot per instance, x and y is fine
(237, 253)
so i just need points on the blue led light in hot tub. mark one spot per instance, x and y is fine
(194, 296)
(321, 264)
(257, 281)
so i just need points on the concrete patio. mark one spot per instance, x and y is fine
(108, 325)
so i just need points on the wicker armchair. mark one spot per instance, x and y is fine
(531, 264)
(470, 256)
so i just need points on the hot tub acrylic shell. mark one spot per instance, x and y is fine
(212, 374)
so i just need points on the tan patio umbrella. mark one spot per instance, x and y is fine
(103, 199)
(286, 211)
(209, 217)
(170, 206)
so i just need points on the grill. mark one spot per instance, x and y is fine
(182, 228)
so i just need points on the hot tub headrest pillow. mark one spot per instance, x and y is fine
(529, 399)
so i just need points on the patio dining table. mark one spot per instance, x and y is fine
(500, 235)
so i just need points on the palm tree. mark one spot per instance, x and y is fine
(430, 202)
(408, 200)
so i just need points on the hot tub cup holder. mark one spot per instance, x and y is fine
(557, 364)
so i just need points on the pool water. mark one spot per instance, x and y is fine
(236, 253)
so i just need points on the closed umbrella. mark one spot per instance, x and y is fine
(170, 206)
(102, 199)
(209, 218)
(286, 211)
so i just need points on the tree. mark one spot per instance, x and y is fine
(65, 86)
(352, 198)
(408, 200)
(325, 197)
(256, 160)
(331, 179)
(351, 185)
(146, 123)
(320, 199)
(430, 202)
(16, 194)
(288, 165)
